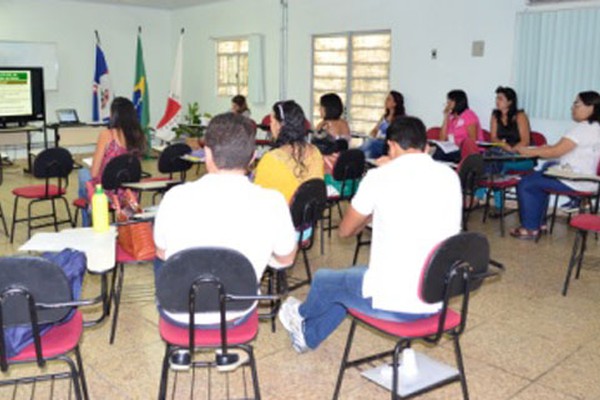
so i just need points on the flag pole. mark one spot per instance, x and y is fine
(97, 36)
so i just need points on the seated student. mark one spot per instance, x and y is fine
(509, 126)
(240, 106)
(224, 209)
(394, 108)
(294, 161)
(459, 122)
(405, 230)
(578, 150)
(124, 135)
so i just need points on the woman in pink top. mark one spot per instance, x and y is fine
(124, 135)
(459, 123)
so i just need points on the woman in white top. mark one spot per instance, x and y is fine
(578, 150)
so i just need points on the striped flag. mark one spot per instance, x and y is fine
(140, 90)
(172, 115)
(102, 93)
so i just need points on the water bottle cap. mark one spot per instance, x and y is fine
(99, 189)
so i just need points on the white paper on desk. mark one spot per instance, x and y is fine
(446, 147)
(88, 161)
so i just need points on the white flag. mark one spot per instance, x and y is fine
(172, 115)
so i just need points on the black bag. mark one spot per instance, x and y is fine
(328, 144)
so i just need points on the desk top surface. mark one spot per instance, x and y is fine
(99, 248)
(570, 175)
(17, 129)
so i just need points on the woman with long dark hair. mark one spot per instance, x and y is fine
(578, 151)
(294, 161)
(394, 108)
(124, 135)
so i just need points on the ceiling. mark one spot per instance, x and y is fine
(164, 4)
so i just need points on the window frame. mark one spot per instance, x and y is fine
(349, 68)
(240, 87)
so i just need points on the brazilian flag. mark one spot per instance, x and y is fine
(140, 91)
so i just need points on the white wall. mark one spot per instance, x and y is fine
(236, 18)
(71, 25)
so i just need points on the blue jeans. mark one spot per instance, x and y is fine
(331, 293)
(84, 176)
(373, 148)
(533, 198)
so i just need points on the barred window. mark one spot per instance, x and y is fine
(232, 67)
(356, 66)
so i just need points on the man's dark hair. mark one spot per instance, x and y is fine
(230, 137)
(408, 132)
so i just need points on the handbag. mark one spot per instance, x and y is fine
(135, 237)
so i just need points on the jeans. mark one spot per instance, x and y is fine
(331, 293)
(373, 148)
(533, 198)
(84, 176)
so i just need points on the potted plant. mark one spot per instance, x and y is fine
(193, 128)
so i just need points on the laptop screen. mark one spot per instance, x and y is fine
(67, 116)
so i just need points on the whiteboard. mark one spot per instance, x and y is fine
(32, 54)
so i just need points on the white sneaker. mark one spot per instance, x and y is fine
(293, 322)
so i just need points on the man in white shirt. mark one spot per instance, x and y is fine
(224, 209)
(414, 203)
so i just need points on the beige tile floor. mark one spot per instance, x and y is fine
(524, 340)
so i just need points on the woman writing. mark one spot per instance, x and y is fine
(578, 151)
(294, 161)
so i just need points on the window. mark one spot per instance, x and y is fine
(232, 67)
(356, 66)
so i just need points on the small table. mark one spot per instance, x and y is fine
(27, 129)
(100, 251)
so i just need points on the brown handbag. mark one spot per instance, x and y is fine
(135, 237)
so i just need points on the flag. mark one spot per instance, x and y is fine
(172, 115)
(140, 91)
(102, 88)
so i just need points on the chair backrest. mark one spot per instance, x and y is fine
(125, 168)
(434, 133)
(170, 160)
(470, 171)
(468, 147)
(349, 165)
(54, 162)
(308, 203)
(466, 252)
(538, 139)
(44, 281)
(487, 136)
(229, 267)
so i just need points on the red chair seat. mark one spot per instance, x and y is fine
(502, 184)
(419, 328)
(80, 202)
(263, 142)
(573, 193)
(58, 340)
(124, 257)
(586, 222)
(179, 336)
(38, 191)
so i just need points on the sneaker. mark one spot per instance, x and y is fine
(571, 206)
(293, 322)
(180, 360)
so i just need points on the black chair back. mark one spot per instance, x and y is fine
(308, 203)
(182, 270)
(44, 281)
(350, 165)
(54, 162)
(170, 161)
(470, 172)
(125, 168)
(469, 251)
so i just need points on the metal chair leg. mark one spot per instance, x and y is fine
(576, 254)
(357, 248)
(81, 373)
(117, 300)
(164, 376)
(583, 249)
(461, 368)
(14, 219)
(553, 218)
(3, 221)
(343, 365)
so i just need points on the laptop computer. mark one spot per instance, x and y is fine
(67, 116)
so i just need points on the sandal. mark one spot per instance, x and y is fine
(524, 234)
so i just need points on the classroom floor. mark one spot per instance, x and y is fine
(524, 340)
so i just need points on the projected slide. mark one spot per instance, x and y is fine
(15, 93)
